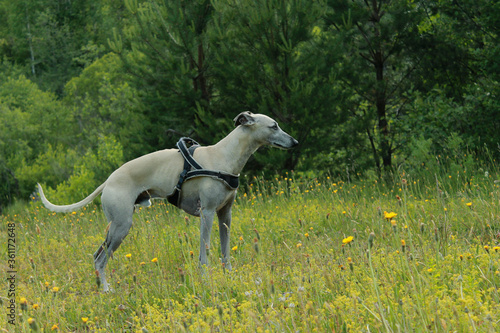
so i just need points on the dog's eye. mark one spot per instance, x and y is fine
(274, 127)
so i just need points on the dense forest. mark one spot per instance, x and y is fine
(366, 86)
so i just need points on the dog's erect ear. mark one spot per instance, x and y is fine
(244, 118)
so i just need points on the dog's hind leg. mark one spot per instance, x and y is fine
(100, 261)
(121, 222)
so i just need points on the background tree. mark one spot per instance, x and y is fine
(267, 60)
(55, 40)
(375, 67)
(164, 48)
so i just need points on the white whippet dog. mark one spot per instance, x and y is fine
(155, 175)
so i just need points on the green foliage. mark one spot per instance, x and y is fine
(30, 118)
(9, 186)
(54, 40)
(103, 102)
(88, 172)
(50, 167)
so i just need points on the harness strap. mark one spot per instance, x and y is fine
(188, 153)
(230, 180)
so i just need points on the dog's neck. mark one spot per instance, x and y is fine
(236, 148)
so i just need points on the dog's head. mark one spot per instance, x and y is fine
(265, 130)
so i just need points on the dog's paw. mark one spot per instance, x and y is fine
(106, 289)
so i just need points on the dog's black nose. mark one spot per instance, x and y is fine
(294, 142)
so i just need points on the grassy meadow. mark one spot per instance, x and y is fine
(419, 255)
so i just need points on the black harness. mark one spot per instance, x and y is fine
(193, 169)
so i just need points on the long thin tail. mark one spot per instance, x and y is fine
(72, 207)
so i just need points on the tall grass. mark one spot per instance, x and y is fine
(308, 255)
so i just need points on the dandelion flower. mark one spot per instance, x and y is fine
(54, 327)
(390, 215)
(142, 263)
(128, 255)
(496, 248)
(154, 260)
(235, 248)
(299, 245)
(24, 303)
(35, 306)
(469, 204)
(32, 324)
(85, 319)
(487, 248)
(347, 240)
(55, 289)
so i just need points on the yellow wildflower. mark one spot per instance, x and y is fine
(235, 248)
(85, 319)
(154, 260)
(347, 240)
(390, 215)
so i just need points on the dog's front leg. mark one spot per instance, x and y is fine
(224, 215)
(206, 222)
